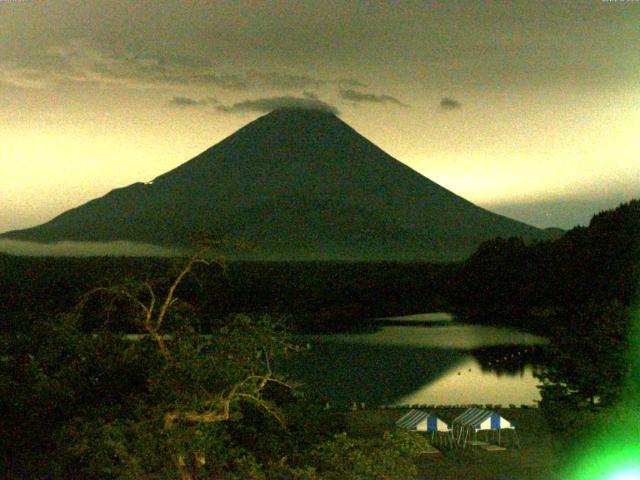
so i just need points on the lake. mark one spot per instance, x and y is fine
(425, 359)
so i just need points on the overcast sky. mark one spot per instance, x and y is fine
(528, 108)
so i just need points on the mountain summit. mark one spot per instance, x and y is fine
(295, 184)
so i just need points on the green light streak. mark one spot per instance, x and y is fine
(614, 450)
(627, 474)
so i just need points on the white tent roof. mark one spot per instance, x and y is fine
(422, 421)
(481, 419)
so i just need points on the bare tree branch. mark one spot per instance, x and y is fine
(169, 299)
(222, 413)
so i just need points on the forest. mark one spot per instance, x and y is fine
(316, 296)
(81, 401)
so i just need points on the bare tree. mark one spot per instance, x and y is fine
(246, 381)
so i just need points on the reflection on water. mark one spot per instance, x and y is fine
(508, 359)
(440, 365)
(456, 337)
(420, 319)
(467, 382)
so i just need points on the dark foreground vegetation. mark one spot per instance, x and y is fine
(79, 400)
(578, 291)
(507, 282)
(537, 286)
(315, 296)
(173, 404)
(581, 292)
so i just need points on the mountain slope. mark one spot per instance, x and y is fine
(297, 184)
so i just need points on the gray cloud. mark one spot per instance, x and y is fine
(351, 82)
(285, 81)
(186, 102)
(204, 76)
(78, 62)
(365, 97)
(448, 103)
(245, 34)
(181, 101)
(272, 103)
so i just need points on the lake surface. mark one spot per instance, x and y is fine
(427, 363)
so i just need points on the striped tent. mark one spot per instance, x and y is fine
(475, 420)
(422, 421)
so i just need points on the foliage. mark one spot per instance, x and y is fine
(508, 281)
(585, 368)
(171, 403)
(577, 292)
(392, 456)
(56, 373)
(317, 296)
(200, 383)
(586, 361)
(127, 408)
(80, 399)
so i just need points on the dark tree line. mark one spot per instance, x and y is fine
(314, 295)
(506, 281)
(510, 282)
(579, 292)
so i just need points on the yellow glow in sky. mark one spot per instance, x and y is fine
(544, 101)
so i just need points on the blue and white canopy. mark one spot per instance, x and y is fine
(422, 421)
(481, 419)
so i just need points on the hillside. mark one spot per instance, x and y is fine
(297, 185)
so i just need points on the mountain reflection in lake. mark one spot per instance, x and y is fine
(402, 365)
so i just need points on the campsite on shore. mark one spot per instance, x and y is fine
(538, 457)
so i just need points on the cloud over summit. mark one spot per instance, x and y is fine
(272, 103)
